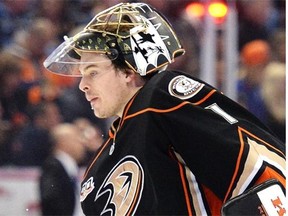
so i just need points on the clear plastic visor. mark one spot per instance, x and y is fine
(66, 59)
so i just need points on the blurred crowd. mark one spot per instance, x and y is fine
(33, 101)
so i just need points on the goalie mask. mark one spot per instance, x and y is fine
(131, 33)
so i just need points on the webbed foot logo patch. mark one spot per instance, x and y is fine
(122, 187)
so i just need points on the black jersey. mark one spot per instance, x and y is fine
(181, 148)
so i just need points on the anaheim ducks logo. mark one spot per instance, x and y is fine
(184, 87)
(123, 186)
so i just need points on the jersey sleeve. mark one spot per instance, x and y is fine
(225, 147)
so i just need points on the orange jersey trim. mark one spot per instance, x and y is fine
(252, 135)
(97, 156)
(270, 173)
(215, 204)
(205, 98)
(166, 110)
(237, 165)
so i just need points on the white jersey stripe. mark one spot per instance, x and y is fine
(196, 195)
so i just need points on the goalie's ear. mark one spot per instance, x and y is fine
(266, 199)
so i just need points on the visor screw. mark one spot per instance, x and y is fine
(113, 44)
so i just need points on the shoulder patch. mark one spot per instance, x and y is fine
(183, 87)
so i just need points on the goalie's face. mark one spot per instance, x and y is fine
(105, 87)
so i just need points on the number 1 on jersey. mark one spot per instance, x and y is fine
(216, 109)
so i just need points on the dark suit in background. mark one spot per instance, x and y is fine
(57, 189)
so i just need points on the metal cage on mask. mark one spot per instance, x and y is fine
(134, 33)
